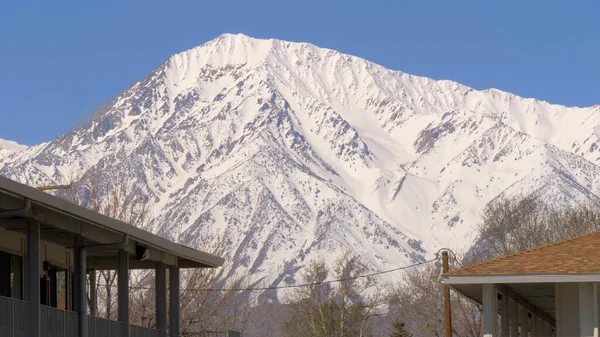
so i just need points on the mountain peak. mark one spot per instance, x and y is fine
(227, 49)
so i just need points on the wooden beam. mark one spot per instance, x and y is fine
(53, 187)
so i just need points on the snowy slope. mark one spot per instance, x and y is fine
(290, 152)
(11, 146)
(8, 147)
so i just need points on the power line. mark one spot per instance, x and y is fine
(302, 284)
(316, 283)
(451, 252)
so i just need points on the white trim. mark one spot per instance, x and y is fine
(552, 278)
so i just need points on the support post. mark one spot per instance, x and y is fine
(174, 301)
(490, 310)
(161, 299)
(595, 318)
(93, 293)
(504, 315)
(123, 292)
(514, 318)
(447, 306)
(586, 310)
(534, 326)
(80, 294)
(33, 276)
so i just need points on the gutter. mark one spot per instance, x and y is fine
(9, 213)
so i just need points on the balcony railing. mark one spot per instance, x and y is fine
(15, 315)
(100, 327)
(58, 323)
(138, 331)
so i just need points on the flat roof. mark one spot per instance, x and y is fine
(57, 212)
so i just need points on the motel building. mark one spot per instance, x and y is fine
(553, 290)
(48, 246)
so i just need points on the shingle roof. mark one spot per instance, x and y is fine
(579, 255)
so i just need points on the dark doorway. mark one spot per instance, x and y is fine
(11, 275)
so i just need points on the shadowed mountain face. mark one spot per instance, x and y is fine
(289, 152)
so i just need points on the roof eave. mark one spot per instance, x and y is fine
(199, 258)
(519, 278)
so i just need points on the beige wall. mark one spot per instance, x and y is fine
(577, 307)
(14, 243)
(567, 309)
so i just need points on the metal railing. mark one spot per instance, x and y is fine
(101, 327)
(58, 323)
(14, 316)
(228, 333)
(138, 331)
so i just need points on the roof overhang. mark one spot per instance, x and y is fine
(524, 278)
(68, 218)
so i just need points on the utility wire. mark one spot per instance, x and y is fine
(317, 283)
(451, 252)
(303, 284)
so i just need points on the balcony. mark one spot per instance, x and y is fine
(14, 316)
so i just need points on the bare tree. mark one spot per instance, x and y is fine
(115, 197)
(418, 299)
(341, 310)
(514, 225)
(142, 298)
(212, 300)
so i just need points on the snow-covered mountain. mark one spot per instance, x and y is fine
(290, 152)
(9, 147)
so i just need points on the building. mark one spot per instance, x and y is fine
(548, 291)
(47, 247)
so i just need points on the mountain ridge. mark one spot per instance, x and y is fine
(288, 152)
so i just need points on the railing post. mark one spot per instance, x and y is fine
(161, 298)
(174, 301)
(12, 319)
(33, 276)
(80, 293)
(123, 292)
(93, 293)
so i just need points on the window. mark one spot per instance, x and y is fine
(11, 275)
(54, 286)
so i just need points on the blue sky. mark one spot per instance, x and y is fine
(60, 60)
